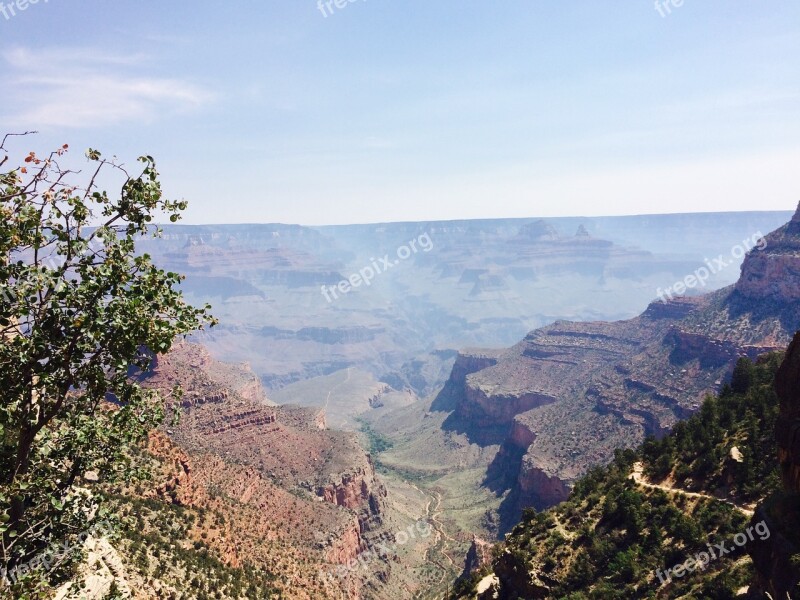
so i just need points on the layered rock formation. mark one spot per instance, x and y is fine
(571, 393)
(314, 488)
(354, 490)
(771, 273)
(484, 282)
(213, 268)
(263, 524)
(466, 363)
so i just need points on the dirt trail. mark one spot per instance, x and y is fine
(338, 385)
(638, 476)
(439, 525)
(440, 535)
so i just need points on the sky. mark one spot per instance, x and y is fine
(261, 111)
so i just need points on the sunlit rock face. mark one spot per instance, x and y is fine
(572, 392)
(772, 272)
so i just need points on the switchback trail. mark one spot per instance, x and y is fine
(638, 477)
(440, 535)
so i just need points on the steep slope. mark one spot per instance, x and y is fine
(671, 519)
(570, 393)
(777, 559)
(314, 488)
(252, 500)
(290, 445)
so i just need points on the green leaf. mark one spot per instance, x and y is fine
(120, 304)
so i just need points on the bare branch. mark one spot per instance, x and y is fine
(8, 135)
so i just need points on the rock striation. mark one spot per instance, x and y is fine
(567, 396)
(466, 363)
(772, 272)
(305, 485)
(355, 490)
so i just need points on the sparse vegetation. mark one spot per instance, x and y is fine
(728, 446)
(376, 443)
(79, 311)
(613, 535)
(156, 540)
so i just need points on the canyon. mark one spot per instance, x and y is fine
(325, 428)
(571, 393)
(483, 283)
(302, 499)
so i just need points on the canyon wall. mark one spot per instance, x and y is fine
(567, 396)
(772, 273)
(775, 559)
(301, 484)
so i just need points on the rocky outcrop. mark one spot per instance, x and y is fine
(479, 555)
(346, 545)
(193, 399)
(571, 393)
(708, 351)
(262, 524)
(539, 487)
(485, 409)
(794, 224)
(582, 232)
(352, 490)
(248, 418)
(521, 436)
(771, 272)
(775, 558)
(179, 481)
(203, 379)
(308, 489)
(319, 419)
(675, 308)
(515, 574)
(467, 362)
(515, 468)
(251, 389)
(506, 468)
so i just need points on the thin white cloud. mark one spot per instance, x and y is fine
(76, 88)
(76, 58)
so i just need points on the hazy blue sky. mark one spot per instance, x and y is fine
(264, 111)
